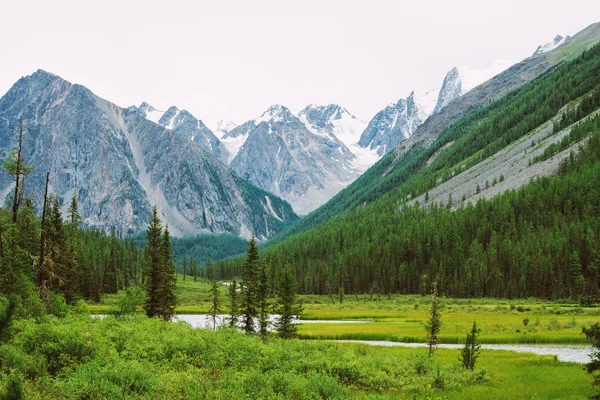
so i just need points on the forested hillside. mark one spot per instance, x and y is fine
(541, 240)
(77, 264)
(482, 132)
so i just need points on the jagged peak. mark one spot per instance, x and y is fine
(275, 113)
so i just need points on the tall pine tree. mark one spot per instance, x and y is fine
(249, 286)
(288, 306)
(153, 265)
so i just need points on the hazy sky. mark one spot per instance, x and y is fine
(232, 59)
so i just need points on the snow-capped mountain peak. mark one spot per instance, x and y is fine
(558, 40)
(450, 90)
(222, 127)
(275, 113)
(151, 113)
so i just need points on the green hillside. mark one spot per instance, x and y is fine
(538, 241)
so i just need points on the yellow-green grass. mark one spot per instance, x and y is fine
(496, 328)
(509, 375)
(402, 317)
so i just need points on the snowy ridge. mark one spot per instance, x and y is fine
(151, 113)
(558, 40)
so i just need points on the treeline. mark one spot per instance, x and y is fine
(541, 240)
(202, 248)
(474, 138)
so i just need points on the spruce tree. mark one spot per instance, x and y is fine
(16, 168)
(153, 264)
(288, 307)
(263, 290)
(234, 303)
(168, 278)
(470, 353)
(216, 301)
(249, 286)
(432, 327)
(593, 335)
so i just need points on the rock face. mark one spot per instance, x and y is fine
(121, 164)
(279, 154)
(451, 89)
(393, 124)
(397, 122)
(184, 123)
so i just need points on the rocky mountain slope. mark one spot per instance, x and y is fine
(279, 154)
(408, 159)
(121, 164)
(184, 123)
(398, 121)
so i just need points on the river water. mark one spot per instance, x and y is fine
(564, 352)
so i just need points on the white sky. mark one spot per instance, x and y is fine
(232, 59)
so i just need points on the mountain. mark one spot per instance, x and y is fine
(393, 124)
(451, 89)
(398, 121)
(184, 123)
(335, 122)
(558, 40)
(503, 199)
(222, 127)
(400, 165)
(120, 164)
(279, 154)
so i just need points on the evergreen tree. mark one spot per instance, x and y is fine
(593, 335)
(194, 269)
(17, 169)
(263, 291)
(470, 353)
(184, 267)
(168, 278)
(432, 327)
(249, 286)
(215, 307)
(153, 265)
(288, 306)
(234, 303)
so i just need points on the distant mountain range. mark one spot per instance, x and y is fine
(230, 179)
(120, 163)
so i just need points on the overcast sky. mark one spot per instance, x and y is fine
(232, 59)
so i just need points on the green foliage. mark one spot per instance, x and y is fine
(201, 248)
(593, 335)
(288, 306)
(215, 307)
(433, 325)
(14, 389)
(262, 301)
(249, 286)
(159, 271)
(133, 297)
(234, 305)
(470, 353)
(147, 358)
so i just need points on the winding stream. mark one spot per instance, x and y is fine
(563, 352)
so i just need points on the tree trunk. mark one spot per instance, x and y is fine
(40, 276)
(15, 207)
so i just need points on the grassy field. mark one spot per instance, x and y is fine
(402, 317)
(508, 375)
